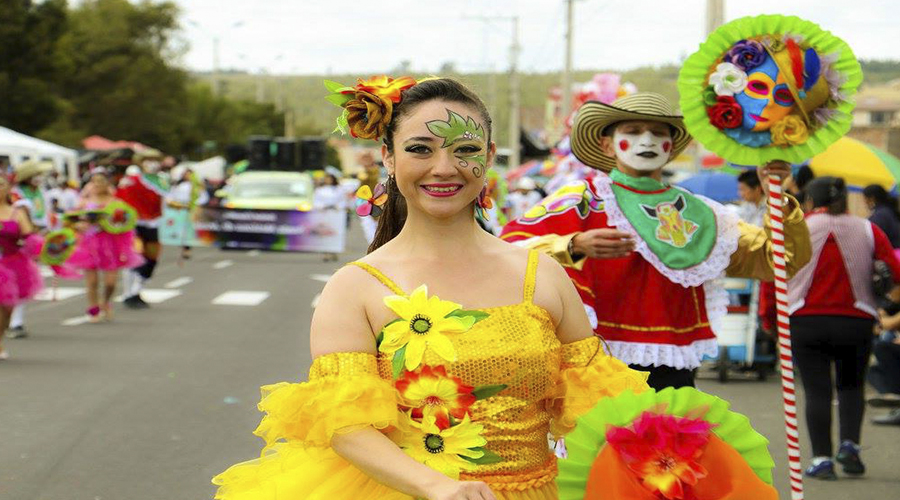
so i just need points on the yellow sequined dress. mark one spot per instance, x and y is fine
(548, 385)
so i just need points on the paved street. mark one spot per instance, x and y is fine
(151, 406)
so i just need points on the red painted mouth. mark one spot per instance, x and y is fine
(758, 118)
(441, 190)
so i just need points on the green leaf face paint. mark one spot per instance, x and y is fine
(466, 137)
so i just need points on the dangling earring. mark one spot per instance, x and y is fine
(371, 204)
(483, 204)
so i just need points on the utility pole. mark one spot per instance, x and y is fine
(216, 76)
(515, 126)
(715, 15)
(566, 105)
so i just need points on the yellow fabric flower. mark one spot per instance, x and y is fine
(442, 450)
(422, 324)
(789, 131)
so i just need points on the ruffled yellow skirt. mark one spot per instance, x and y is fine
(296, 472)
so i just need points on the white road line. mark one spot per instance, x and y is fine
(222, 264)
(253, 253)
(62, 293)
(241, 298)
(78, 320)
(155, 295)
(320, 277)
(315, 301)
(179, 282)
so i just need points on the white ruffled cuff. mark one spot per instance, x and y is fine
(680, 357)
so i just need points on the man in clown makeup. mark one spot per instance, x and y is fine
(645, 256)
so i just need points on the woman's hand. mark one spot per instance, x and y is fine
(461, 490)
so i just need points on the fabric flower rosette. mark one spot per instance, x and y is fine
(368, 106)
(769, 87)
(435, 426)
(676, 444)
(118, 217)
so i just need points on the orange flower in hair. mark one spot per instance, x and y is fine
(385, 86)
(368, 115)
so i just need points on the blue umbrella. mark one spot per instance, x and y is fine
(716, 185)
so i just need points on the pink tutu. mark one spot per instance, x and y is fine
(20, 279)
(99, 250)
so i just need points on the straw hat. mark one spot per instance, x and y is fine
(31, 168)
(145, 154)
(594, 117)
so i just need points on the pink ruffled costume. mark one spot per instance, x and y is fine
(99, 250)
(20, 278)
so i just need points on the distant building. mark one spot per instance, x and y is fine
(876, 118)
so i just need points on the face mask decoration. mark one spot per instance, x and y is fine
(645, 151)
(770, 92)
(151, 166)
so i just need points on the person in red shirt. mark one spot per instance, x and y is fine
(833, 313)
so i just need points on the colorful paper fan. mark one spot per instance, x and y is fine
(119, 217)
(587, 443)
(58, 246)
(817, 76)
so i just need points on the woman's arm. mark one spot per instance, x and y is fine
(563, 301)
(24, 219)
(340, 324)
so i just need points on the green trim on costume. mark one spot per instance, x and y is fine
(678, 228)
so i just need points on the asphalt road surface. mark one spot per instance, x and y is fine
(152, 405)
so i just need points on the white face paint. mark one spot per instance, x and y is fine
(151, 166)
(645, 151)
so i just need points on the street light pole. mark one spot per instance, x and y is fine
(515, 126)
(566, 103)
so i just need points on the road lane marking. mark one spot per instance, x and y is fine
(315, 301)
(320, 277)
(62, 293)
(155, 295)
(222, 264)
(253, 253)
(179, 282)
(78, 320)
(241, 298)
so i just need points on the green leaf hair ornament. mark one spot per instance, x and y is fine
(806, 77)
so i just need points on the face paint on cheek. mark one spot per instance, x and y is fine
(667, 146)
(623, 145)
(455, 129)
(645, 151)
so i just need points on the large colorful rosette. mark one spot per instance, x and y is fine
(674, 444)
(58, 246)
(768, 88)
(368, 106)
(118, 217)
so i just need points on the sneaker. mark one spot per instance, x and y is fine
(886, 400)
(135, 302)
(892, 418)
(17, 332)
(848, 457)
(822, 470)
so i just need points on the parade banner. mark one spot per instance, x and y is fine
(284, 230)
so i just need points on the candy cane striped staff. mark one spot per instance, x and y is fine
(776, 218)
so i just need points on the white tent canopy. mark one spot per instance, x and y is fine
(20, 147)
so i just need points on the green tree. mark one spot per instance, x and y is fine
(30, 69)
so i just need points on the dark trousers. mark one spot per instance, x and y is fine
(820, 343)
(666, 376)
(885, 376)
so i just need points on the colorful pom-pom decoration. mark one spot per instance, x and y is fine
(58, 246)
(768, 88)
(118, 217)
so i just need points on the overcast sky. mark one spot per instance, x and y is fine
(350, 36)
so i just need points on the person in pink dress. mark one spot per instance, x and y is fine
(20, 278)
(98, 251)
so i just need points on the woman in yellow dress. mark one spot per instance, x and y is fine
(415, 396)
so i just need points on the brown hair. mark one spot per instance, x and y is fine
(441, 89)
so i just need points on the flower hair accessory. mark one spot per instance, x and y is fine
(368, 106)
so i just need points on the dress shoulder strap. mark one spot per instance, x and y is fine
(379, 276)
(531, 275)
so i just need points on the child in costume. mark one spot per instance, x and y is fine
(20, 278)
(645, 256)
(144, 189)
(29, 194)
(99, 250)
(445, 400)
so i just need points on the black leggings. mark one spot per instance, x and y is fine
(818, 342)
